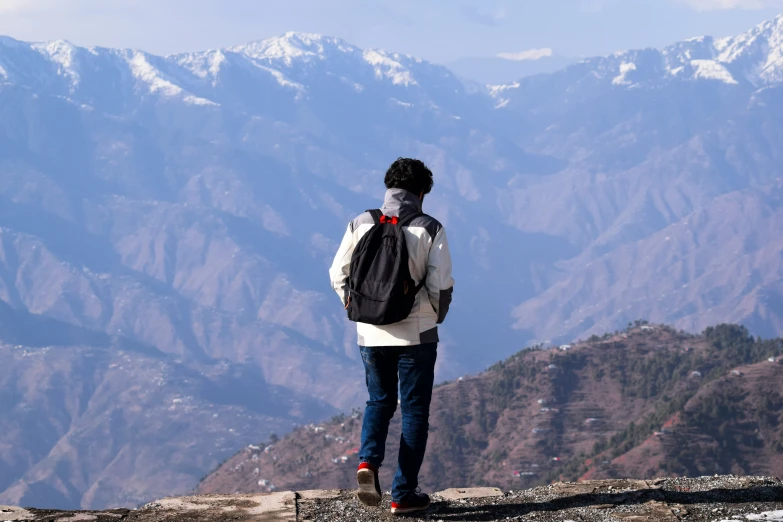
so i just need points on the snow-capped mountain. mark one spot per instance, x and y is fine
(173, 218)
(293, 66)
(754, 58)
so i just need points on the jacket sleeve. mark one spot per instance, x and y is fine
(439, 283)
(341, 266)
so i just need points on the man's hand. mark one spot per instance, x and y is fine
(348, 303)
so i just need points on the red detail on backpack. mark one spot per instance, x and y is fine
(392, 220)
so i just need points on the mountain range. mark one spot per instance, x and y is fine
(166, 224)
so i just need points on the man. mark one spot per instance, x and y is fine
(408, 347)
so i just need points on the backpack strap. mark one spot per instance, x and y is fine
(376, 215)
(404, 222)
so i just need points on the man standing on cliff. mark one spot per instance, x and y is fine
(393, 274)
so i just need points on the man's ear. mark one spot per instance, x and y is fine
(421, 196)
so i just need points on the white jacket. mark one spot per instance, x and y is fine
(429, 258)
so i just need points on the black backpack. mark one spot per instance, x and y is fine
(380, 287)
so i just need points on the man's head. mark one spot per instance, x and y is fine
(409, 174)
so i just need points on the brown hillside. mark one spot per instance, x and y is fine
(592, 410)
(733, 424)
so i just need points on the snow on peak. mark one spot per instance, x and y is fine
(625, 69)
(208, 65)
(388, 65)
(757, 53)
(294, 46)
(755, 57)
(63, 53)
(299, 62)
(203, 65)
(148, 74)
(158, 82)
(712, 70)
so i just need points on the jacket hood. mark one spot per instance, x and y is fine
(399, 202)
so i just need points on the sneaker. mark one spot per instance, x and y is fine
(414, 502)
(369, 487)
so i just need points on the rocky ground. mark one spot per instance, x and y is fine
(706, 499)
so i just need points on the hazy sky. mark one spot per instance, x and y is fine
(438, 30)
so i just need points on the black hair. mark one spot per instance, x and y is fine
(409, 174)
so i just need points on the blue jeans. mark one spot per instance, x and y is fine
(415, 366)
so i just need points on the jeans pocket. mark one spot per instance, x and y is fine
(368, 355)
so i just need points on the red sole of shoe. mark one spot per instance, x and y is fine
(405, 511)
(367, 493)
